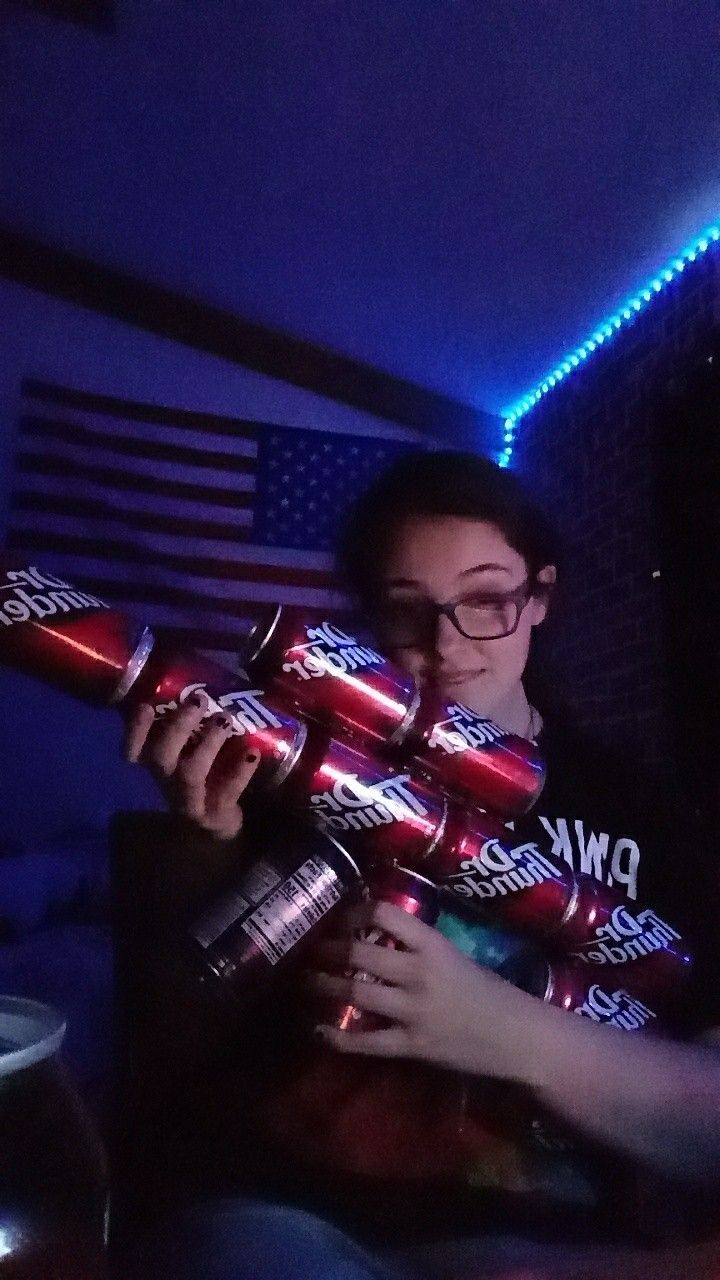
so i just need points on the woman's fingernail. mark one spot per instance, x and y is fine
(222, 722)
(252, 756)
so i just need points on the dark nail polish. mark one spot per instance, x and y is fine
(222, 722)
(252, 756)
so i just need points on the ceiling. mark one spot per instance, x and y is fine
(455, 191)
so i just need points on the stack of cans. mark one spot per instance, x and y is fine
(322, 672)
(395, 782)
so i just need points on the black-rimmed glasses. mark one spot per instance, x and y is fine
(405, 622)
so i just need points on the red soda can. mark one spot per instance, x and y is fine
(519, 887)
(412, 893)
(576, 990)
(254, 929)
(474, 758)
(514, 885)
(318, 668)
(374, 810)
(171, 677)
(67, 637)
(604, 931)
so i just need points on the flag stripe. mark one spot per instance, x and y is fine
(143, 504)
(128, 480)
(252, 593)
(173, 618)
(129, 553)
(160, 451)
(92, 532)
(230, 641)
(109, 426)
(114, 580)
(40, 505)
(149, 469)
(138, 411)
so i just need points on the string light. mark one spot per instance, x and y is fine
(602, 333)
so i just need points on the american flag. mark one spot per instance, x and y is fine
(185, 520)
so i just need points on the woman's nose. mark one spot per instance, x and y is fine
(447, 637)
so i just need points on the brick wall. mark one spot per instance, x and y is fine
(586, 449)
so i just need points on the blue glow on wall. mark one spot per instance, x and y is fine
(604, 332)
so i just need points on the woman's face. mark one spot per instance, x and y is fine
(447, 559)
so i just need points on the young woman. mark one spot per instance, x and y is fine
(454, 570)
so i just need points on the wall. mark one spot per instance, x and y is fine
(587, 448)
(60, 761)
(445, 190)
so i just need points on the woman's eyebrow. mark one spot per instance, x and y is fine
(476, 568)
(484, 568)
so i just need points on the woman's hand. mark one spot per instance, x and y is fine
(445, 1008)
(654, 1099)
(183, 751)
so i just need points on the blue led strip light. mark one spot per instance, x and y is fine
(602, 334)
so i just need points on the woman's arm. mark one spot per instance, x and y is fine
(652, 1099)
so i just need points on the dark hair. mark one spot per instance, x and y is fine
(446, 483)
(450, 483)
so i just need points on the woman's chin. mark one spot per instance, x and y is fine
(475, 693)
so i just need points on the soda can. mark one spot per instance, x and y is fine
(602, 930)
(67, 637)
(374, 810)
(568, 987)
(514, 885)
(518, 887)
(172, 677)
(255, 928)
(474, 758)
(319, 669)
(411, 892)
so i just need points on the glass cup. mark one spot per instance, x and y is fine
(53, 1172)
